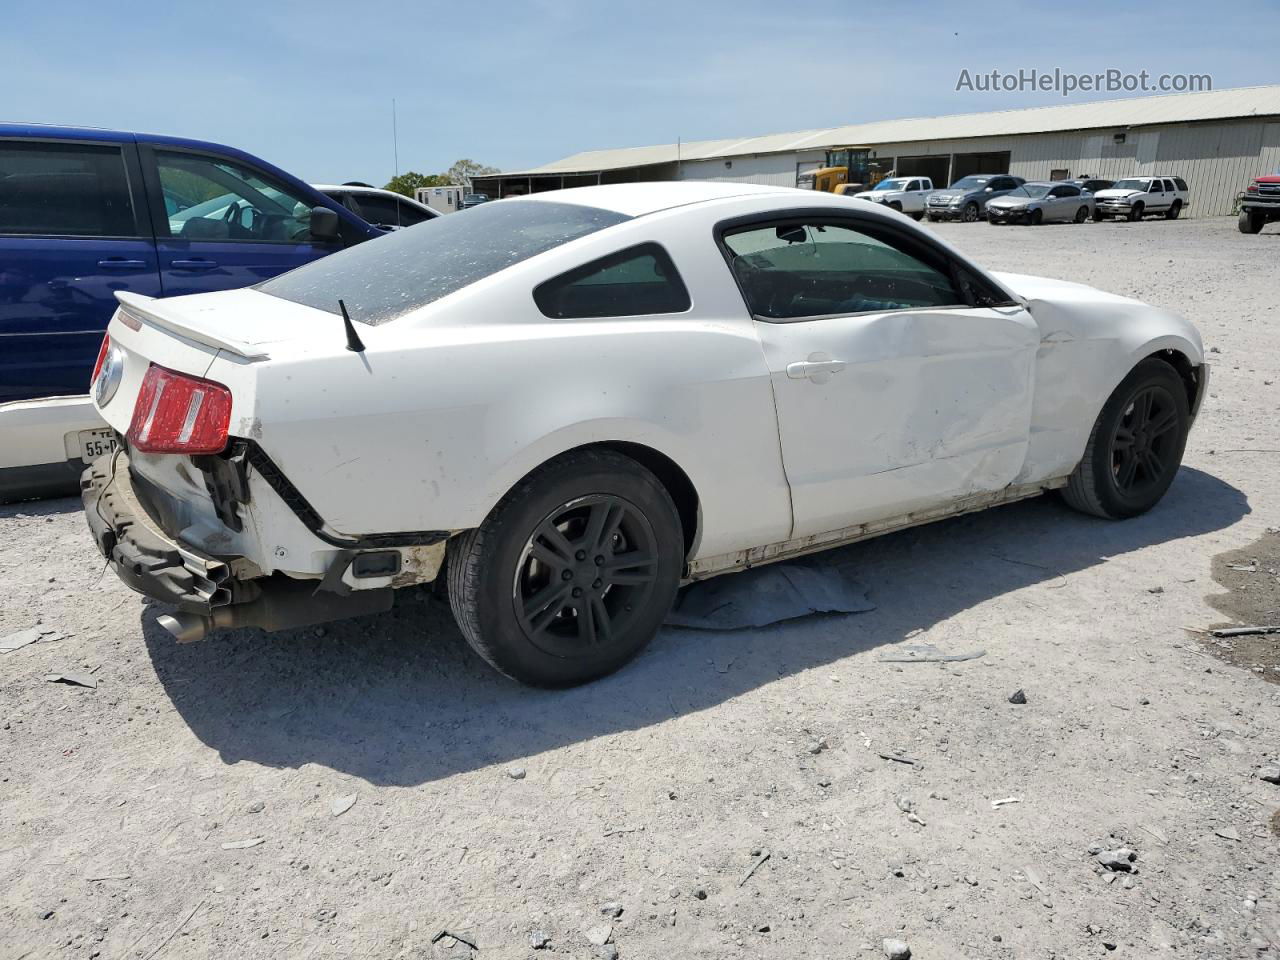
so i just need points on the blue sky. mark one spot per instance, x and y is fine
(309, 86)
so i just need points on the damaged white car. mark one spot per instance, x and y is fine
(571, 403)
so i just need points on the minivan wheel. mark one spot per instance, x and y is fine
(970, 212)
(1135, 447)
(572, 573)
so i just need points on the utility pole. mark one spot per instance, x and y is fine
(395, 138)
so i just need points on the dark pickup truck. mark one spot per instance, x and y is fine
(1260, 204)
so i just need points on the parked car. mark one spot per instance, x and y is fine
(448, 398)
(1137, 197)
(1042, 202)
(967, 198)
(1260, 204)
(1091, 184)
(382, 208)
(85, 214)
(904, 194)
(474, 199)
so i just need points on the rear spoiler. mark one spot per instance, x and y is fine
(171, 319)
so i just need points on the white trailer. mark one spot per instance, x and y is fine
(443, 199)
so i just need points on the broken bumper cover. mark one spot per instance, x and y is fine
(146, 558)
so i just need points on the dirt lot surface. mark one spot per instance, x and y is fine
(357, 790)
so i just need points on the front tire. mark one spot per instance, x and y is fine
(917, 216)
(1036, 218)
(1082, 215)
(1136, 211)
(1249, 222)
(970, 212)
(1135, 447)
(572, 573)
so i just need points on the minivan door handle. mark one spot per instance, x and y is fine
(119, 263)
(193, 264)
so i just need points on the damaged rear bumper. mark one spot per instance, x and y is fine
(200, 585)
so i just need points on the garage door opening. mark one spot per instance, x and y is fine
(966, 164)
(935, 168)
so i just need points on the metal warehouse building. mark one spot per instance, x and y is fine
(1217, 141)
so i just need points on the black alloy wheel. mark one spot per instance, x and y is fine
(584, 573)
(970, 212)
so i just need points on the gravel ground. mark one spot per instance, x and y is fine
(508, 816)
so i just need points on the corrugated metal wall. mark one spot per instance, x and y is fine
(771, 169)
(1216, 159)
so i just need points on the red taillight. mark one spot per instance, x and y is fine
(179, 413)
(102, 355)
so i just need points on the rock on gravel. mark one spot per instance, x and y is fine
(896, 950)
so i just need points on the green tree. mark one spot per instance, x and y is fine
(409, 181)
(464, 170)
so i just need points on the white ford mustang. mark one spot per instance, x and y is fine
(572, 403)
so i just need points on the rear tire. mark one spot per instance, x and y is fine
(1173, 211)
(572, 573)
(1135, 447)
(1249, 222)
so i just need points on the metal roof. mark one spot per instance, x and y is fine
(1132, 112)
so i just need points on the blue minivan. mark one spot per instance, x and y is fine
(85, 213)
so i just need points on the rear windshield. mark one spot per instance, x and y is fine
(385, 278)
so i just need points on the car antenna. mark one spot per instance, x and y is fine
(354, 343)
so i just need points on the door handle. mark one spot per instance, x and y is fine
(193, 264)
(118, 263)
(818, 371)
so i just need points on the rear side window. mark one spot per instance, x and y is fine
(634, 282)
(64, 190)
(385, 279)
(1182, 184)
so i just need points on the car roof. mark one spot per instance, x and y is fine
(638, 199)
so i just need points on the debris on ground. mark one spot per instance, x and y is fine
(997, 804)
(599, 935)
(340, 805)
(1245, 631)
(926, 653)
(1018, 696)
(16, 641)
(517, 773)
(1227, 833)
(1119, 860)
(899, 758)
(468, 939)
(761, 857)
(896, 950)
(243, 844)
(73, 678)
(611, 909)
(539, 939)
(770, 594)
(1269, 774)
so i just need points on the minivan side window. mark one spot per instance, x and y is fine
(638, 281)
(796, 271)
(212, 198)
(64, 190)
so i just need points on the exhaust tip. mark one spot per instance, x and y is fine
(185, 627)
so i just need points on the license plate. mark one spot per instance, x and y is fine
(94, 443)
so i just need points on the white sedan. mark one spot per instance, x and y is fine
(572, 403)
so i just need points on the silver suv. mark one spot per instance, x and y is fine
(966, 199)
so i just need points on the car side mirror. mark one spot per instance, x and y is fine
(324, 224)
(989, 190)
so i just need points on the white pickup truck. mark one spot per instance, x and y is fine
(904, 194)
